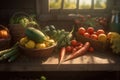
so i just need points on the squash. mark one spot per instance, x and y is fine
(35, 34)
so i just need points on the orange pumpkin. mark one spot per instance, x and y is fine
(3, 34)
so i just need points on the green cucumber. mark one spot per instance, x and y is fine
(35, 34)
(12, 58)
(9, 54)
(5, 51)
(2, 52)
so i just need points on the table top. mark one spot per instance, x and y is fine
(97, 61)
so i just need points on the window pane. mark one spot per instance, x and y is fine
(70, 4)
(55, 4)
(100, 4)
(85, 4)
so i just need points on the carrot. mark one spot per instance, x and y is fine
(62, 54)
(79, 52)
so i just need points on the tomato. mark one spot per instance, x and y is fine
(90, 30)
(81, 16)
(83, 20)
(100, 31)
(105, 19)
(91, 49)
(95, 32)
(77, 21)
(78, 43)
(3, 34)
(68, 48)
(101, 22)
(74, 50)
(74, 42)
(79, 47)
(81, 30)
(86, 34)
(94, 36)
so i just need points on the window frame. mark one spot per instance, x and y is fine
(42, 10)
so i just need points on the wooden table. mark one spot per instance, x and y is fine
(97, 61)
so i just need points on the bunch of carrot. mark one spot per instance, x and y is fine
(76, 49)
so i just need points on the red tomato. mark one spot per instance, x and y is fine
(95, 33)
(79, 47)
(94, 36)
(100, 31)
(74, 42)
(74, 50)
(91, 49)
(87, 35)
(78, 43)
(90, 30)
(101, 22)
(81, 16)
(68, 48)
(81, 30)
(77, 21)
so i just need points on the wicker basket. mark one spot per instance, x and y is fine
(17, 32)
(5, 43)
(97, 45)
(33, 53)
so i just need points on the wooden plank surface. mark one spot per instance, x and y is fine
(97, 61)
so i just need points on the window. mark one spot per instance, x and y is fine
(77, 4)
(55, 9)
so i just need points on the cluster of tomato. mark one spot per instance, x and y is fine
(102, 21)
(76, 45)
(88, 20)
(91, 33)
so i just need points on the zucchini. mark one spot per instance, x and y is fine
(35, 34)
(5, 51)
(2, 52)
(8, 54)
(12, 58)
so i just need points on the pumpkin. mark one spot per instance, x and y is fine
(4, 34)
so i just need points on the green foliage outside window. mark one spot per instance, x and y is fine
(72, 4)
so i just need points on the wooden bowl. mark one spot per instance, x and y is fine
(46, 52)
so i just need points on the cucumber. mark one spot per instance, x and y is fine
(8, 54)
(5, 51)
(12, 58)
(35, 34)
(2, 52)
